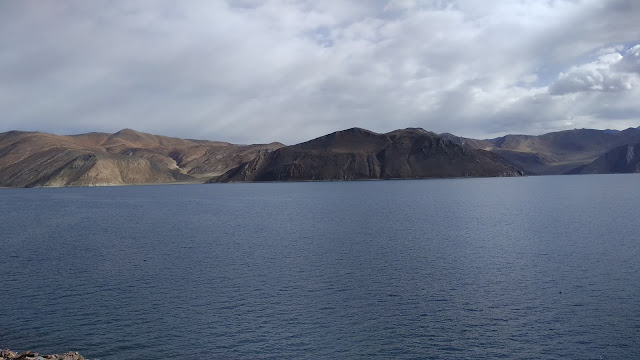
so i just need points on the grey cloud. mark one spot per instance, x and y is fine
(258, 71)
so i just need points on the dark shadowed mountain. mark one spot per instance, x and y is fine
(361, 154)
(30, 159)
(553, 153)
(623, 159)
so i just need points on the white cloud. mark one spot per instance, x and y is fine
(630, 63)
(611, 72)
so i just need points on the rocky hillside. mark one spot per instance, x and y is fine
(623, 159)
(361, 154)
(553, 153)
(30, 159)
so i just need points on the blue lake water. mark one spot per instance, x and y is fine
(518, 268)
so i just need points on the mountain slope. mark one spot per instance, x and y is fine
(127, 157)
(623, 159)
(553, 153)
(361, 154)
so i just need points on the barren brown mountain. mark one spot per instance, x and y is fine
(30, 159)
(361, 154)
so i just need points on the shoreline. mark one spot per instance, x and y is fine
(262, 182)
(298, 181)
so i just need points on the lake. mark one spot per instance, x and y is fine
(517, 268)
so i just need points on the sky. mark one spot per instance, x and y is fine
(250, 71)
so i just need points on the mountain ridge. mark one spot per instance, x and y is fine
(358, 154)
(29, 159)
(553, 153)
(623, 159)
(32, 158)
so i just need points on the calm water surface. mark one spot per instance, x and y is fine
(537, 267)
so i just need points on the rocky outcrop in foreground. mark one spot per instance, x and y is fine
(28, 355)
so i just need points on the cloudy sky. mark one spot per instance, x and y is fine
(259, 71)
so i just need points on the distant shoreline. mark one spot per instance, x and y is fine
(259, 182)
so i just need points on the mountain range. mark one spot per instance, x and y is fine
(32, 159)
(29, 159)
(554, 153)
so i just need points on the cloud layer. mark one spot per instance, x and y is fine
(259, 71)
